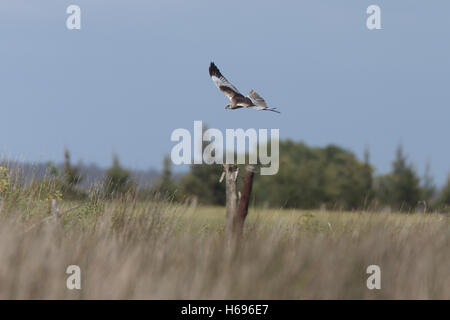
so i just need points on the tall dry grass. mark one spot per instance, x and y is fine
(157, 250)
(154, 251)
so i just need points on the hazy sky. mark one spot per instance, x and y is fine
(138, 69)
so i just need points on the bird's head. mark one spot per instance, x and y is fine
(228, 106)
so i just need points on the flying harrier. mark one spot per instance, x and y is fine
(252, 100)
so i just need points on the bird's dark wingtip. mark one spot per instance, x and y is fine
(213, 70)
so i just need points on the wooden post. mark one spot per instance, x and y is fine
(236, 214)
(244, 201)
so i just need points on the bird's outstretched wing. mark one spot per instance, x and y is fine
(259, 102)
(222, 83)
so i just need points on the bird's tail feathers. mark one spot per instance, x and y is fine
(273, 110)
(265, 108)
(259, 102)
(256, 99)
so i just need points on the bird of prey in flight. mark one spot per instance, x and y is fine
(252, 100)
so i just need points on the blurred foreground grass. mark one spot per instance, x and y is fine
(158, 250)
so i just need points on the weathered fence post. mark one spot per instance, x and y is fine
(244, 200)
(236, 214)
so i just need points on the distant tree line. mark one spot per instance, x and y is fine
(309, 177)
(329, 177)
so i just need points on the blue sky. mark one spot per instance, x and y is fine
(137, 70)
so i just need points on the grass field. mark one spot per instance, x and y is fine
(159, 250)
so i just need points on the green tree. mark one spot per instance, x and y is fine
(312, 177)
(401, 188)
(202, 182)
(64, 181)
(443, 201)
(71, 173)
(165, 185)
(117, 180)
(428, 188)
(367, 177)
(52, 169)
